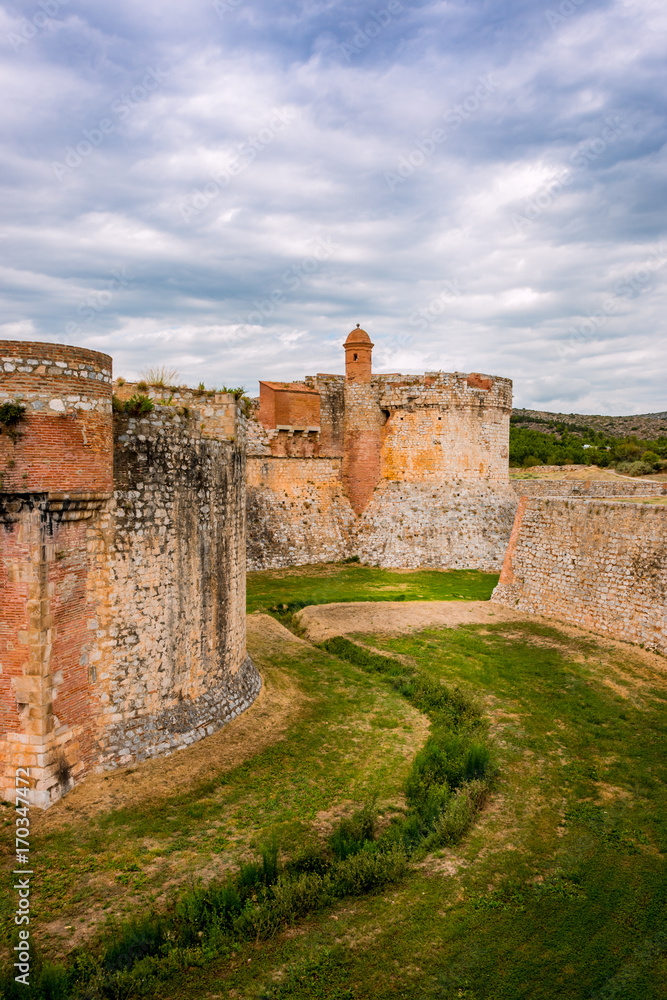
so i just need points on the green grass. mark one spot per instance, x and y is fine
(336, 582)
(558, 890)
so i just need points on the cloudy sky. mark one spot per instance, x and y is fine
(228, 187)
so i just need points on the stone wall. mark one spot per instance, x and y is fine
(172, 661)
(586, 488)
(423, 478)
(438, 525)
(297, 512)
(599, 564)
(445, 427)
(332, 413)
(122, 571)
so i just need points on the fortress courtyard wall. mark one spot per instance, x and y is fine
(122, 572)
(586, 488)
(600, 564)
(297, 512)
(403, 471)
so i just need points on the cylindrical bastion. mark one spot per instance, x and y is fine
(63, 441)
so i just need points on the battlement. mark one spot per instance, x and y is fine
(444, 390)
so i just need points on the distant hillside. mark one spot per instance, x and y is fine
(646, 426)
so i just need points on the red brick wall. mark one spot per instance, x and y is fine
(288, 407)
(363, 443)
(74, 635)
(64, 441)
(14, 549)
(358, 362)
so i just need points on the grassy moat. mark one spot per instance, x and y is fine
(469, 813)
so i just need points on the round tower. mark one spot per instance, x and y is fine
(358, 351)
(55, 413)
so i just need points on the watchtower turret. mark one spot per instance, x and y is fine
(358, 352)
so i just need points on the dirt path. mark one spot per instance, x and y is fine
(262, 724)
(324, 621)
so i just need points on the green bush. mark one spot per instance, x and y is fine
(352, 834)
(634, 468)
(369, 869)
(461, 810)
(651, 459)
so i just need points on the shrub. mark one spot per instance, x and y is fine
(11, 415)
(138, 405)
(296, 896)
(530, 461)
(352, 834)
(651, 459)
(369, 869)
(634, 468)
(459, 814)
(310, 861)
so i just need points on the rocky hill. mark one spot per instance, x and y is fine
(647, 426)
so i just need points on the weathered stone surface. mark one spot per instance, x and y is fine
(586, 488)
(596, 563)
(122, 572)
(411, 470)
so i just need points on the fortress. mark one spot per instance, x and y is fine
(124, 538)
(400, 470)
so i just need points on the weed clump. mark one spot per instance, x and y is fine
(137, 405)
(11, 415)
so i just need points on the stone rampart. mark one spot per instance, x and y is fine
(423, 478)
(297, 512)
(123, 627)
(438, 525)
(601, 564)
(172, 661)
(585, 488)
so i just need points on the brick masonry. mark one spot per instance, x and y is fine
(409, 470)
(122, 572)
(601, 564)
